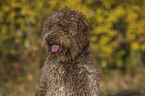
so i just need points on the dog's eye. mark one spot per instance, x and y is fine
(50, 27)
(62, 26)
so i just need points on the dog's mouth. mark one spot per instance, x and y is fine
(55, 48)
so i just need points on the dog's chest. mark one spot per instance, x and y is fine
(67, 80)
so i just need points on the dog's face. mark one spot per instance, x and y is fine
(66, 33)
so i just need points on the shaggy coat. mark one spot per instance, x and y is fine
(69, 69)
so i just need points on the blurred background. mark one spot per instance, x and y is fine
(118, 44)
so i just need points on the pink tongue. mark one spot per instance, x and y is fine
(54, 48)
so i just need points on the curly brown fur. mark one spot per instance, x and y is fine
(69, 69)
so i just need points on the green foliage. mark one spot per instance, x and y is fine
(118, 40)
(119, 31)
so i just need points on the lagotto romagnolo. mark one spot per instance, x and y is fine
(69, 68)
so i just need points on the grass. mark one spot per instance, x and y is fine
(112, 84)
(117, 84)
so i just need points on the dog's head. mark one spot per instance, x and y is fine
(66, 33)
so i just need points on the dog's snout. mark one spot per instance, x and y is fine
(51, 39)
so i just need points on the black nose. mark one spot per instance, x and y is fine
(51, 39)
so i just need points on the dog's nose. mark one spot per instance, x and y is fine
(51, 37)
